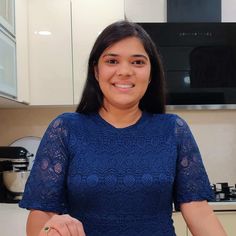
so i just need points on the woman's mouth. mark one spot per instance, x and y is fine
(124, 86)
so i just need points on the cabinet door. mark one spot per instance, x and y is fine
(228, 220)
(50, 52)
(7, 66)
(22, 65)
(89, 18)
(179, 224)
(7, 15)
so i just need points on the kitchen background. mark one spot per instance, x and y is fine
(51, 69)
(215, 133)
(53, 39)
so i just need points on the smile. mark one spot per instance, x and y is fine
(124, 85)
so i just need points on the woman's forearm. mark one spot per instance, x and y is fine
(201, 219)
(36, 221)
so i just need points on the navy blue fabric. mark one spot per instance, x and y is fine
(117, 181)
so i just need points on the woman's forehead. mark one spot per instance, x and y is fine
(130, 45)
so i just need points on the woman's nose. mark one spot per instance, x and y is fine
(124, 69)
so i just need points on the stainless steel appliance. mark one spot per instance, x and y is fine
(14, 162)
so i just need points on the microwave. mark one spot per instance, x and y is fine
(199, 62)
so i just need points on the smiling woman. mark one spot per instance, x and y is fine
(123, 74)
(116, 165)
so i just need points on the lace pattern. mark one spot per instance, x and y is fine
(191, 181)
(49, 170)
(117, 181)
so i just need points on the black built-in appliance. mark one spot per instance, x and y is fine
(199, 62)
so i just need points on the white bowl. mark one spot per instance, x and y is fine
(15, 181)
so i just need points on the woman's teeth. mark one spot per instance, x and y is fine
(124, 85)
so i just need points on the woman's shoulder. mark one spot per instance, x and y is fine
(168, 117)
(169, 121)
(70, 118)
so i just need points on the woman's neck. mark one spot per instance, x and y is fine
(120, 118)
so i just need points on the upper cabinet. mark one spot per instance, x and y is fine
(14, 79)
(7, 66)
(22, 53)
(50, 52)
(89, 18)
(53, 41)
(7, 16)
(61, 35)
(8, 83)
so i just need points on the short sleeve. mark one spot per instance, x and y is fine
(191, 181)
(45, 187)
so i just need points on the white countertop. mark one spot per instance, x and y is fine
(223, 206)
(217, 206)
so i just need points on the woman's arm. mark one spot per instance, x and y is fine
(201, 219)
(58, 224)
(36, 221)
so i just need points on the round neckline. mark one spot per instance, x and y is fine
(139, 123)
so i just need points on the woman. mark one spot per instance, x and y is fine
(116, 165)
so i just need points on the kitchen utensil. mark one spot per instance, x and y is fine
(31, 143)
(15, 182)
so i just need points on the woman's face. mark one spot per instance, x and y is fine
(123, 73)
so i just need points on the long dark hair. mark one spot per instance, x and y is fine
(153, 100)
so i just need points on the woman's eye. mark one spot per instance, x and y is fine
(138, 62)
(111, 61)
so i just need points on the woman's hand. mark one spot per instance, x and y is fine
(62, 225)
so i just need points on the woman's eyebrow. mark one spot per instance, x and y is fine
(140, 55)
(110, 55)
(116, 55)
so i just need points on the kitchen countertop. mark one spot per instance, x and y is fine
(223, 206)
(217, 206)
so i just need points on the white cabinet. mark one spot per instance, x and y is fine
(179, 224)
(59, 45)
(21, 28)
(8, 85)
(7, 18)
(228, 220)
(50, 52)
(14, 80)
(89, 18)
(53, 41)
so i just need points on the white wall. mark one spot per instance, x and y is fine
(146, 11)
(215, 133)
(228, 10)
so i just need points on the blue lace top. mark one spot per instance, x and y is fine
(117, 181)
